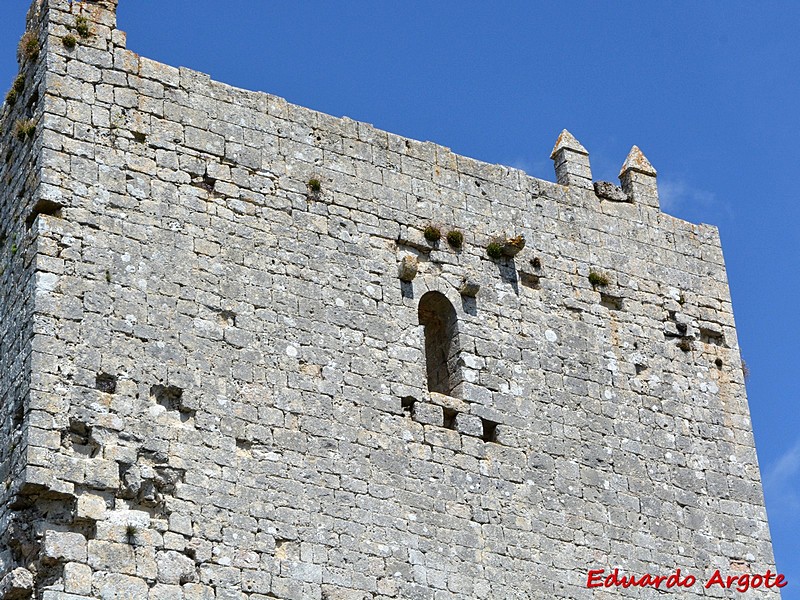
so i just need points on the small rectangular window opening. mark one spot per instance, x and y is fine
(707, 336)
(611, 302)
(529, 280)
(489, 430)
(407, 403)
(44, 207)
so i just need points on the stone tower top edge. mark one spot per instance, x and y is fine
(572, 163)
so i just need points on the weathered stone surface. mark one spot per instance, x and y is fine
(17, 585)
(64, 546)
(175, 568)
(90, 507)
(470, 286)
(270, 432)
(431, 414)
(112, 586)
(78, 578)
(608, 191)
(408, 268)
(469, 425)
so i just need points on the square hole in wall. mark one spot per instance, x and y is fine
(489, 430)
(611, 302)
(106, 383)
(450, 418)
(407, 403)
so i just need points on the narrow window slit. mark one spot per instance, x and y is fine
(442, 350)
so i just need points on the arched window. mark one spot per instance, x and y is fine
(441, 342)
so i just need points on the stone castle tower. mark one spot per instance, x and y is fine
(237, 363)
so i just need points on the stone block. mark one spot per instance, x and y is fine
(113, 586)
(90, 507)
(175, 568)
(469, 425)
(77, 578)
(60, 546)
(112, 557)
(17, 585)
(427, 413)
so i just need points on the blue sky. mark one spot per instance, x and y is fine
(708, 90)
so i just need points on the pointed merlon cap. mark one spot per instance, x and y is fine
(571, 161)
(567, 141)
(638, 179)
(637, 161)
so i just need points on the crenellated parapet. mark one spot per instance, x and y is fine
(637, 176)
(571, 161)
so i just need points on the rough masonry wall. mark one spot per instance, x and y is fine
(20, 164)
(229, 383)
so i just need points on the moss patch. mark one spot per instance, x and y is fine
(494, 250)
(29, 46)
(82, 26)
(432, 233)
(24, 128)
(598, 279)
(455, 238)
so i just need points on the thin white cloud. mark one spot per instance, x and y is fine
(782, 480)
(675, 194)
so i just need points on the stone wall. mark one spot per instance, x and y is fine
(228, 387)
(20, 174)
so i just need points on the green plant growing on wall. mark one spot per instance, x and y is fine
(314, 185)
(598, 279)
(455, 238)
(16, 90)
(29, 46)
(82, 26)
(494, 250)
(24, 128)
(19, 84)
(69, 41)
(432, 233)
(130, 532)
(11, 97)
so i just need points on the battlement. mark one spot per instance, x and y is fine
(252, 351)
